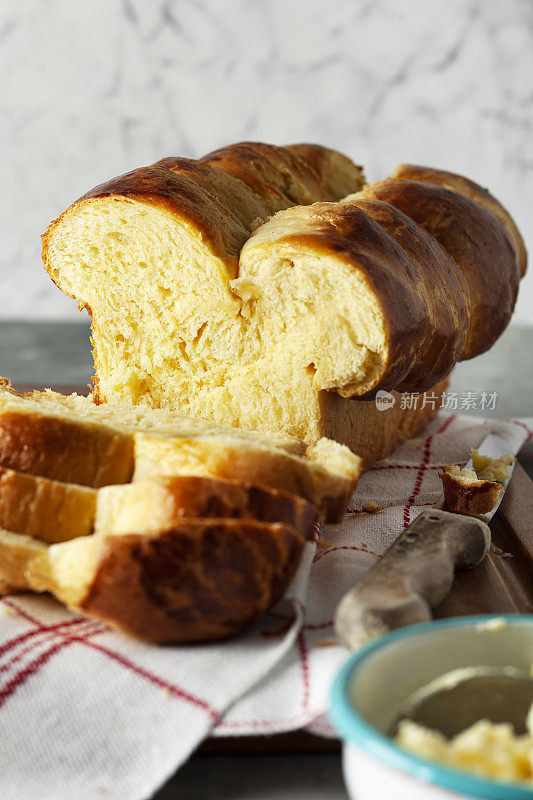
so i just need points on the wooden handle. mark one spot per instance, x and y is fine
(413, 575)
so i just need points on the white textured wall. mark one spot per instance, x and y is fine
(91, 89)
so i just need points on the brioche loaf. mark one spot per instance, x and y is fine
(146, 443)
(196, 306)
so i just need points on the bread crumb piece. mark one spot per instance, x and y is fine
(492, 469)
(371, 508)
(502, 553)
(7, 611)
(322, 544)
(364, 544)
(326, 643)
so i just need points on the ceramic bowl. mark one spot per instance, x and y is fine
(374, 683)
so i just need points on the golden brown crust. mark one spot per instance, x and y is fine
(200, 581)
(478, 497)
(66, 451)
(439, 288)
(473, 191)
(274, 174)
(221, 195)
(337, 173)
(477, 242)
(230, 195)
(292, 175)
(45, 509)
(165, 501)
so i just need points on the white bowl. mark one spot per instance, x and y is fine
(374, 683)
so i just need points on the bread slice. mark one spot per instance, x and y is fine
(161, 503)
(119, 443)
(196, 581)
(325, 476)
(477, 489)
(53, 512)
(37, 436)
(16, 552)
(45, 509)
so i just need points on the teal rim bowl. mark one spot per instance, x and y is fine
(353, 728)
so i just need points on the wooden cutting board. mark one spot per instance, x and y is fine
(501, 584)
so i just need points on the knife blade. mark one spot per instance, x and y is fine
(417, 571)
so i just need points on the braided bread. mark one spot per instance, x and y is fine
(201, 301)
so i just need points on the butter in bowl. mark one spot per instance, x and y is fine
(440, 710)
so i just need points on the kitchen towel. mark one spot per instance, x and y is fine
(86, 712)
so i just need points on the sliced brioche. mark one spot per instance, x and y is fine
(160, 503)
(37, 437)
(16, 552)
(53, 512)
(45, 509)
(176, 230)
(200, 580)
(378, 302)
(50, 511)
(158, 443)
(325, 476)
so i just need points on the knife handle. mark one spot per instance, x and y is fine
(413, 575)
